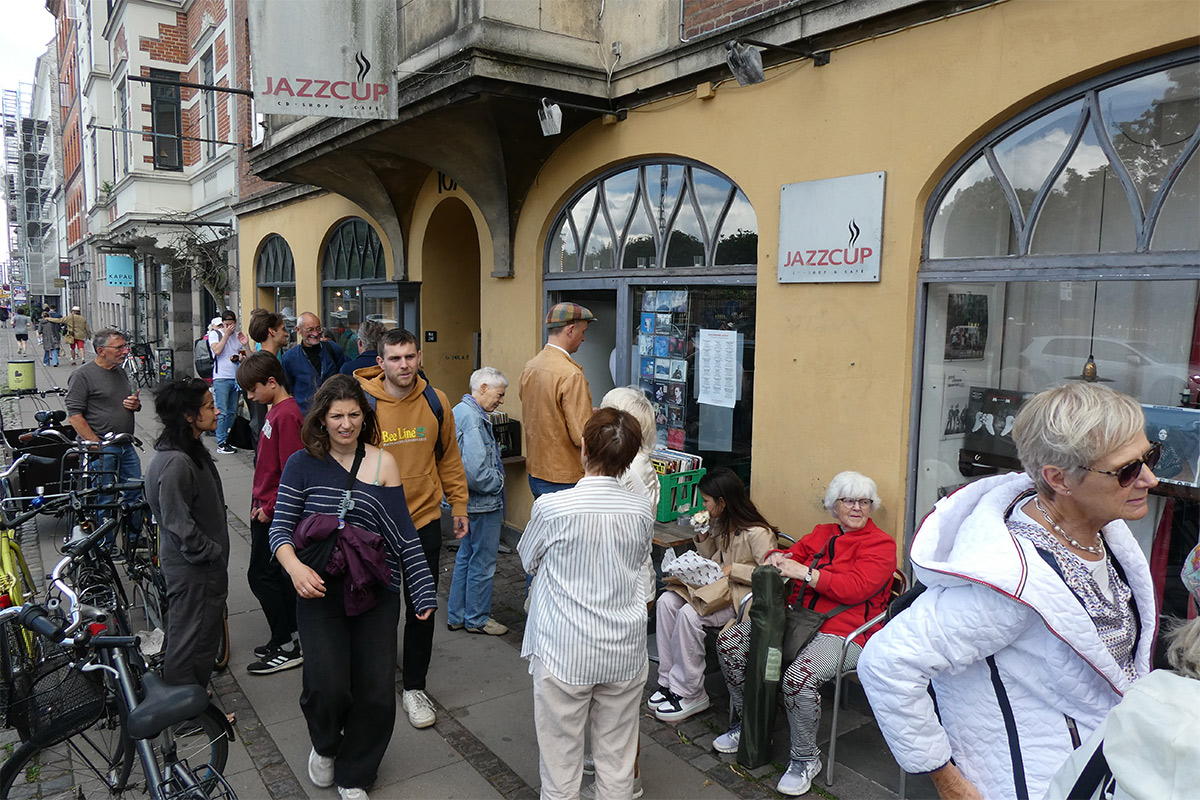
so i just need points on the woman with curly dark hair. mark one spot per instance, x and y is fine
(349, 695)
(185, 493)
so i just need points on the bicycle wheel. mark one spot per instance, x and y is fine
(223, 651)
(131, 371)
(94, 763)
(204, 740)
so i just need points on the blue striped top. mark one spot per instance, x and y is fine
(311, 486)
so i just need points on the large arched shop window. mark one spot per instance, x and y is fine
(656, 215)
(661, 251)
(1068, 232)
(353, 256)
(276, 270)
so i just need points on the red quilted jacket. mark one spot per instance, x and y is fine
(855, 569)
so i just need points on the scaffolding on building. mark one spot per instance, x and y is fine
(28, 194)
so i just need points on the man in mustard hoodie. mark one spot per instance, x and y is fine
(417, 428)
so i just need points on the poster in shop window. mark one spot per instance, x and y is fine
(717, 367)
(1178, 431)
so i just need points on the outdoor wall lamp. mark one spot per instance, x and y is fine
(746, 63)
(550, 115)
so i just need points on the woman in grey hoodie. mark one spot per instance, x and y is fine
(184, 490)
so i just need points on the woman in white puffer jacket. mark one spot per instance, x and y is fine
(1039, 612)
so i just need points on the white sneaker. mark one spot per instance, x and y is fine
(419, 708)
(353, 794)
(799, 776)
(728, 741)
(320, 769)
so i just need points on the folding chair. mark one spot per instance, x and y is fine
(899, 586)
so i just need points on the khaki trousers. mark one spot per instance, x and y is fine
(561, 712)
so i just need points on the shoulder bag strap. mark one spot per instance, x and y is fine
(348, 503)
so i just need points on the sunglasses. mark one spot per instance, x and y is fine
(1128, 473)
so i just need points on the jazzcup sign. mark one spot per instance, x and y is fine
(324, 58)
(831, 231)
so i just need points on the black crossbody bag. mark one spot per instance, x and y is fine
(803, 624)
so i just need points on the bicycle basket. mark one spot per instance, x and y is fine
(61, 703)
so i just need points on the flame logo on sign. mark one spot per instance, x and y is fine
(854, 232)
(364, 66)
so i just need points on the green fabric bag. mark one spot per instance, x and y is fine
(764, 667)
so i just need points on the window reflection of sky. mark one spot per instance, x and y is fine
(641, 203)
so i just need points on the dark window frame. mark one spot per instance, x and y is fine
(166, 107)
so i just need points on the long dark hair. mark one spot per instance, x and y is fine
(339, 387)
(174, 402)
(740, 512)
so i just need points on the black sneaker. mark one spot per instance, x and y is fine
(277, 660)
(262, 649)
(225, 450)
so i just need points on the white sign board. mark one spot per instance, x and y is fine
(325, 58)
(831, 231)
(717, 367)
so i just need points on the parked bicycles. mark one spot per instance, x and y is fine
(96, 712)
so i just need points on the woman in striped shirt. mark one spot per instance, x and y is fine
(349, 695)
(585, 637)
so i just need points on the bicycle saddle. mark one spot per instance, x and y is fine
(164, 706)
(47, 417)
(40, 461)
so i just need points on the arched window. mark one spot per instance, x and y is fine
(1063, 246)
(276, 270)
(665, 254)
(353, 258)
(665, 214)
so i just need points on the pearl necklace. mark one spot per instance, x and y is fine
(1098, 550)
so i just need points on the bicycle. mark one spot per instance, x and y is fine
(96, 710)
(19, 651)
(139, 365)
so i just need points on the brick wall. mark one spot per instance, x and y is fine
(249, 184)
(704, 16)
(172, 43)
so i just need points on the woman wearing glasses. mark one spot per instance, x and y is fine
(1040, 611)
(848, 562)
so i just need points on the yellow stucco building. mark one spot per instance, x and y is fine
(1012, 212)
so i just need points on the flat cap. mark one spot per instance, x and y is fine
(562, 314)
(75, 308)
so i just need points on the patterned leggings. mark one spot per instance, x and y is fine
(802, 681)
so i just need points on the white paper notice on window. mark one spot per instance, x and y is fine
(692, 568)
(717, 367)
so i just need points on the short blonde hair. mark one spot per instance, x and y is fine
(854, 486)
(1073, 426)
(631, 399)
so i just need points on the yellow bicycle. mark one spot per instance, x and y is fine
(19, 648)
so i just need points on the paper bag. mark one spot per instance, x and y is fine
(705, 599)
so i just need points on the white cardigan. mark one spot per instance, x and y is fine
(1007, 646)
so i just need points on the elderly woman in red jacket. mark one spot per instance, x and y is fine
(848, 562)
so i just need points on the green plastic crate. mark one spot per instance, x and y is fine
(678, 495)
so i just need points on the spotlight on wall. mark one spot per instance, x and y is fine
(550, 115)
(550, 118)
(745, 62)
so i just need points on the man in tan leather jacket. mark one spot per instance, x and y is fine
(557, 402)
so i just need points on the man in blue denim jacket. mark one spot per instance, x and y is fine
(470, 603)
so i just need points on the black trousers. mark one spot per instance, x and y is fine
(418, 634)
(196, 598)
(349, 695)
(271, 585)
